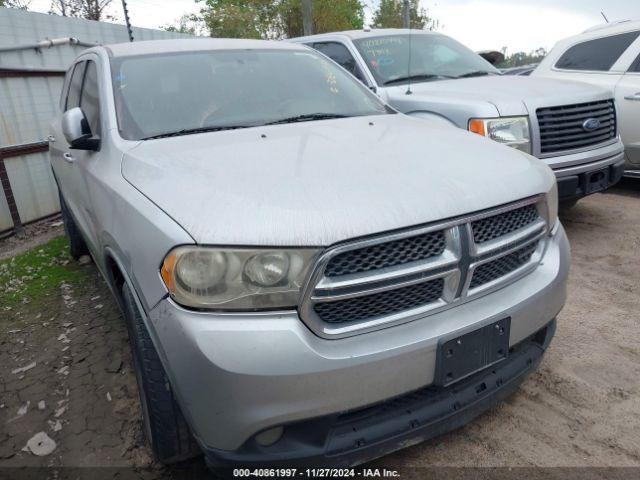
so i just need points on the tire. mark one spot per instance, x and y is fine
(165, 427)
(77, 245)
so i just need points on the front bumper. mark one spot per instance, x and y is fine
(581, 174)
(358, 436)
(236, 375)
(572, 187)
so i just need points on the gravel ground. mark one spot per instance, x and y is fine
(581, 408)
(31, 236)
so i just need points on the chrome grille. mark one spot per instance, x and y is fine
(561, 127)
(387, 254)
(397, 277)
(493, 227)
(385, 303)
(490, 271)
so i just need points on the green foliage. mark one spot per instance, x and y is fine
(389, 15)
(274, 19)
(37, 272)
(328, 16)
(522, 58)
(241, 18)
(190, 24)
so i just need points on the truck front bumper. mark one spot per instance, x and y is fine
(584, 173)
(237, 375)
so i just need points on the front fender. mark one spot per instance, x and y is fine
(440, 119)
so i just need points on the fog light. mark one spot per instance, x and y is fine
(269, 437)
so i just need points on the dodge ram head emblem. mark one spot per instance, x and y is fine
(591, 124)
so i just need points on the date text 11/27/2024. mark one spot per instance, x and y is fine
(315, 472)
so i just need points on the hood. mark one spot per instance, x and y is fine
(492, 95)
(318, 183)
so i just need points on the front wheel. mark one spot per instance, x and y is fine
(165, 427)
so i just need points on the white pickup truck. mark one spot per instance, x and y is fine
(569, 125)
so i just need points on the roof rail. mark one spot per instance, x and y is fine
(603, 26)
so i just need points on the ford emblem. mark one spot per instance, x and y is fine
(591, 124)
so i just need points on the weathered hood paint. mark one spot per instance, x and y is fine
(318, 183)
(508, 95)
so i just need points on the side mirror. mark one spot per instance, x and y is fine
(77, 132)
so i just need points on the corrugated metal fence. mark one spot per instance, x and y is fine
(32, 70)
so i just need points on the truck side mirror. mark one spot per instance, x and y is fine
(77, 132)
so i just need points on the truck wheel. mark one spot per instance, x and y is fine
(165, 427)
(77, 246)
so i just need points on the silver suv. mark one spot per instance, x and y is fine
(571, 126)
(307, 275)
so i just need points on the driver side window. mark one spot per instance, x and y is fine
(341, 55)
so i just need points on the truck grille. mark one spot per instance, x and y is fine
(385, 255)
(502, 266)
(384, 303)
(403, 275)
(561, 128)
(499, 225)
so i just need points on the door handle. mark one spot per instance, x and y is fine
(68, 157)
(635, 97)
(51, 139)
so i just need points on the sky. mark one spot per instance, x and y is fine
(519, 25)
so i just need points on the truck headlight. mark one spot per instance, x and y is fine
(236, 279)
(511, 131)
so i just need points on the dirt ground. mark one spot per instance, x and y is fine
(582, 408)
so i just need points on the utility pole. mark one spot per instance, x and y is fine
(126, 19)
(307, 18)
(406, 14)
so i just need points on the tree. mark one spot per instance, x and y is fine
(274, 19)
(21, 4)
(190, 24)
(389, 15)
(522, 58)
(241, 18)
(328, 16)
(89, 9)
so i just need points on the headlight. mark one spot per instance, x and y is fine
(511, 131)
(552, 206)
(236, 279)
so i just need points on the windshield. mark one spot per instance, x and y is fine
(433, 57)
(180, 93)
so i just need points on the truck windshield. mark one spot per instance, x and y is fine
(189, 92)
(433, 57)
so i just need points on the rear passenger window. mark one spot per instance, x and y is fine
(635, 66)
(89, 98)
(596, 55)
(75, 86)
(341, 55)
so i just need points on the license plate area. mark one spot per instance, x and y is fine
(471, 352)
(597, 180)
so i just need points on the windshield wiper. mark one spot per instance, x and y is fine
(476, 73)
(420, 76)
(190, 131)
(307, 118)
